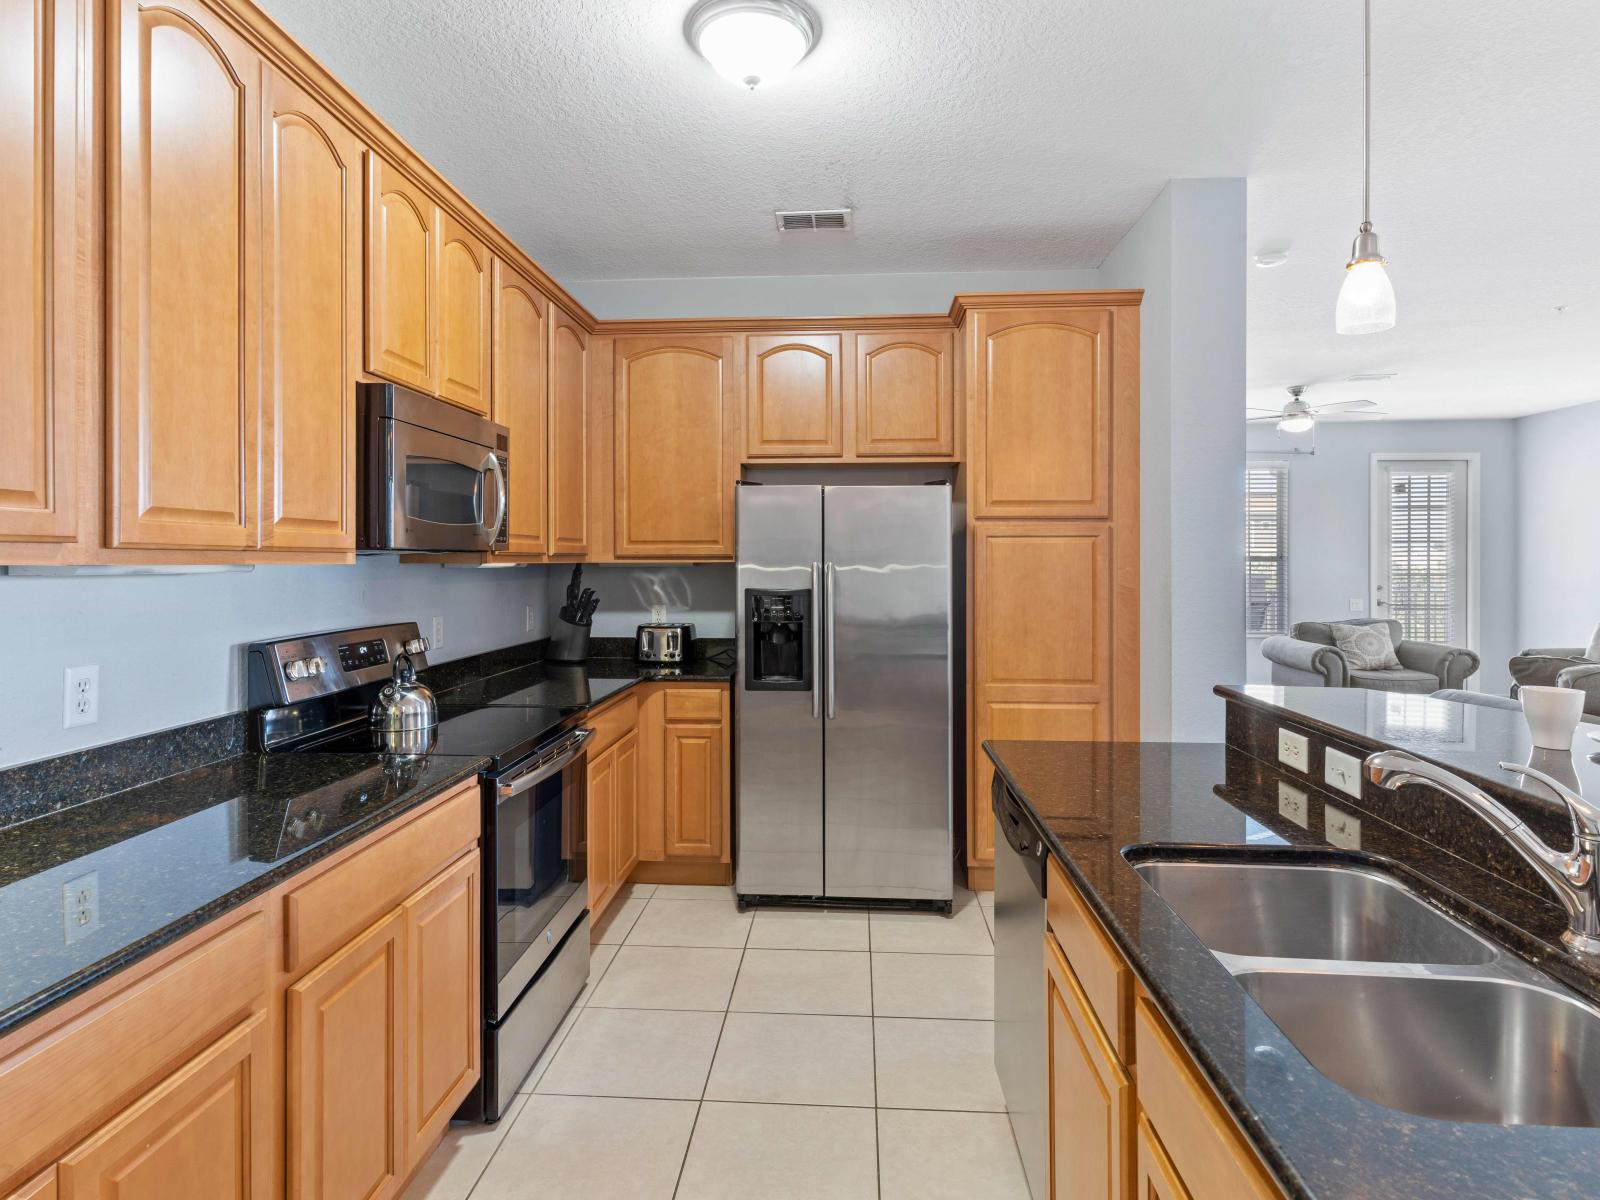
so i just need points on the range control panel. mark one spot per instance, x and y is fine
(291, 670)
(356, 656)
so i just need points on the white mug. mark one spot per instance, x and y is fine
(1553, 714)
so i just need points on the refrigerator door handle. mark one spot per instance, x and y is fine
(816, 645)
(827, 626)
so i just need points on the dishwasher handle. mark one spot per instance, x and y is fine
(1021, 834)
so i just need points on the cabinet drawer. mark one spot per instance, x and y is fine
(59, 1087)
(1097, 963)
(1210, 1153)
(336, 905)
(611, 722)
(694, 704)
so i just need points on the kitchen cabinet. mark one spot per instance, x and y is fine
(463, 321)
(569, 435)
(40, 163)
(311, 305)
(794, 399)
(1155, 1176)
(521, 341)
(600, 861)
(1091, 1099)
(905, 394)
(673, 415)
(182, 277)
(625, 808)
(402, 248)
(42, 1187)
(613, 802)
(696, 773)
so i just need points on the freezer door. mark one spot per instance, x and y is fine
(779, 771)
(887, 640)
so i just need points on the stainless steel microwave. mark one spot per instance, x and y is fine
(433, 476)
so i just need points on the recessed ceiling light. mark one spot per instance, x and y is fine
(752, 42)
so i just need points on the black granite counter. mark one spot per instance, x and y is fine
(1094, 800)
(573, 687)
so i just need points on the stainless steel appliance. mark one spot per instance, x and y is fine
(664, 643)
(1020, 1021)
(433, 476)
(315, 694)
(844, 693)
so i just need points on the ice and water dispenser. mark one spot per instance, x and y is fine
(779, 632)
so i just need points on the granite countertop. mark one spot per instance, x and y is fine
(1093, 800)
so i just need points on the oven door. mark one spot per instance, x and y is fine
(539, 882)
(440, 492)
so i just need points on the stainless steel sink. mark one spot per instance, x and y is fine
(1495, 1051)
(1304, 911)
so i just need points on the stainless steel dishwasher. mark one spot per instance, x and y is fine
(1020, 1034)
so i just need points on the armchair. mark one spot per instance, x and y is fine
(1560, 666)
(1309, 658)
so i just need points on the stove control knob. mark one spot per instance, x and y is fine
(416, 645)
(316, 666)
(296, 669)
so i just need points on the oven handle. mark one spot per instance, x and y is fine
(554, 767)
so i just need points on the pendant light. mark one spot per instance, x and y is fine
(1366, 300)
(752, 42)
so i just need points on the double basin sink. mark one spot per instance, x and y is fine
(1388, 996)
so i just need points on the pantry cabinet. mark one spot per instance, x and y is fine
(905, 394)
(569, 435)
(521, 341)
(794, 404)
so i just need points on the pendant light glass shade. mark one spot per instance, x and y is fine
(1366, 299)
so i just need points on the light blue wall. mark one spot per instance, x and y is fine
(697, 592)
(1558, 560)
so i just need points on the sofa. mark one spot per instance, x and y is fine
(1307, 657)
(1560, 666)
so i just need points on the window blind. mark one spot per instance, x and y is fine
(1266, 560)
(1422, 546)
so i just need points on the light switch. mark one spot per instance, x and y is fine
(1340, 828)
(1357, 605)
(1294, 750)
(1342, 771)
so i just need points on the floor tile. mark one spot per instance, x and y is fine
(832, 982)
(548, 1054)
(932, 985)
(601, 955)
(668, 977)
(454, 1167)
(808, 929)
(617, 921)
(693, 891)
(690, 923)
(986, 899)
(988, 919)
(628, 1052)
(589, 1148)
(932, 933)
(781, 1152)
(948, 1156)
(636, 891)
(790, 1059)
(937, 1064)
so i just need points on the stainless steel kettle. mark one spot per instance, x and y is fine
(404, 705)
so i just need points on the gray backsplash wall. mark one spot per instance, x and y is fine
(698, 592)
(169, 646)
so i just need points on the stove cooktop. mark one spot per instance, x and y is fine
(502, 735)
(539, 685)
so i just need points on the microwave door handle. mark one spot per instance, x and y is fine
(491, 465)
(507, 790)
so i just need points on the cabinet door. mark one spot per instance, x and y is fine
(696, 770)
(203, 1131)
(1041, 444)
(625, 808)
(521, 334)
(347, 1030)
(463, 321)
(402, 247)
(905, 394)
(40, 1187)
(569, 435)
(38, 161)
(443, 1016)
(674, 473)
(793, 407)
(183, 237)
(1157, 1178)
(311, 304)
(602, 803)
(1091, 1097)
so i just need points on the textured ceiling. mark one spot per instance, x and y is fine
(1032, 133)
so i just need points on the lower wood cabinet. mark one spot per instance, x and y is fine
(625, 812)
(613, 803)
(1156, 1178)
(696, 790)
(1091, 1096)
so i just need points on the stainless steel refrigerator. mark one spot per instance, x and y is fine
(845, 694)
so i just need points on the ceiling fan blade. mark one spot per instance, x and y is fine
(1344, 406)
(1265, 410)
(1255, 420)
(1365, 415)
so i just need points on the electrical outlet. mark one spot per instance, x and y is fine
(80, 906)
(81, 705)
(436, 642)
(1292, 804)
(530, 620)
(1340, 828)
(1343, 771)
(1294, 750)
(658, 613)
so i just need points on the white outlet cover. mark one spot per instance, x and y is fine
(436, 642)
(80, 703)
(529, 621)
(1292, 804)
(1294, 749)
(1342, 771)
(80, 906)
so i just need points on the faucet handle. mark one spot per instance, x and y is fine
(1585, 816)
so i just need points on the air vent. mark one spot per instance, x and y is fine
(813, 218)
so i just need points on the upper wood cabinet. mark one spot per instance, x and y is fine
(569, 434)
(1041, 412)
(311, 305)
(794, 405)
(402, 250)
(673, 411)
(905, 394)
(182, 276)
(463, 322)
(39, 159)
(521, 342)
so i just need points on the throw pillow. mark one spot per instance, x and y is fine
(1593, 652)
(1365, 647)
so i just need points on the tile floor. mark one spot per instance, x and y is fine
(767, 1056)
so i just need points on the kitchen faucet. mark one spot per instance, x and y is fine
(1573, 875)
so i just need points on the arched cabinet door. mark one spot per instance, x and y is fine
(905, 394)
(183, 276)
(521, 335)
(402, 246)
(463, 324)
(793, 407)
(569, 435)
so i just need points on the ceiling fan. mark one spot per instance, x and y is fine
(1299, 417)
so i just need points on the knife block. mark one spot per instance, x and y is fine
(568, 642)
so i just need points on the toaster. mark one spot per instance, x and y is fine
(664, 643)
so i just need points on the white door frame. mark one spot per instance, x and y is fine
(1378, 553)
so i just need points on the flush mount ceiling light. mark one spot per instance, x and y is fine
(752, 42)
(1366, 299)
